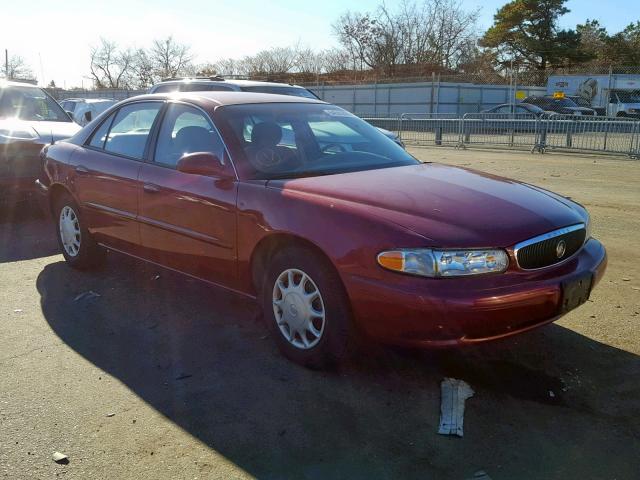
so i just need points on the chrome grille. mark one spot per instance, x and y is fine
(550, 248)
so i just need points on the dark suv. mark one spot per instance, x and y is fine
(29, 119)
(564, 106)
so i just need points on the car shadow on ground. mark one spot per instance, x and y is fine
(25, 233)
(548, 404)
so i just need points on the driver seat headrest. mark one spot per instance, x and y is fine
(266, 134)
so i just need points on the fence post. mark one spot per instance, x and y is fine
(569, 136)
(375, 97)
(353, 103)
(438, 96)
(635, 138)
(433, 85)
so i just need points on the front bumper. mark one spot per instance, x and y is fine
(422, 312)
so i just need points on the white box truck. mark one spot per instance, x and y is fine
(615, 95)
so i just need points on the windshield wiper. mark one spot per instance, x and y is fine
(304, 173)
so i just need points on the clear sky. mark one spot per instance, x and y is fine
(55, 37)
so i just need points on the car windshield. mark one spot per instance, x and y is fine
(29, 103)
(290, 140)
(629, 96)
(284, 90)
(564, 102)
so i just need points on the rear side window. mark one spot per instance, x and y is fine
(166, 88)
(284, 90)
(130, 129)
(100, 134)
(203, 87)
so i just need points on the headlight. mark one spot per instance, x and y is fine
(444, 263)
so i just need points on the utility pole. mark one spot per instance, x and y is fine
(6, 63)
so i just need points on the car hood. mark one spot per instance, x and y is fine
(449, 206)
(43, 132)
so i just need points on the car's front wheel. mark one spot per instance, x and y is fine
(78, 247)
(306, 308)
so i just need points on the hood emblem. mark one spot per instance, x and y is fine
(561, 248)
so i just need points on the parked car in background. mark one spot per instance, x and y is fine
(220, 84)
(517, 108)
(564, 106)
(580, 101)
(83, 110)
(334, 229)
(29, 119)
(614, 95)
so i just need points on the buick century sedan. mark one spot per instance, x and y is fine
(332, 227)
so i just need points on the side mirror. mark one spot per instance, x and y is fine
(87, 116)
(202, 163)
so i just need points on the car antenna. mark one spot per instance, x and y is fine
(52, 140)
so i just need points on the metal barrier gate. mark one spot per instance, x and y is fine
(612, 135)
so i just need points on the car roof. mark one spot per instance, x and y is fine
(11, 83)
(220, 98)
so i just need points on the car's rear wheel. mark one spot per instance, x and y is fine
(77, 245)
(306, 308)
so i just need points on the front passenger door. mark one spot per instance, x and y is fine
(188, 221)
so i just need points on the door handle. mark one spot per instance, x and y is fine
(81, 170)
(151, 188)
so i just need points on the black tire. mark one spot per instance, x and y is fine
(89, 254)
(337, 336)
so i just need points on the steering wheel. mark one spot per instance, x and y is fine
(269, 160)
(341, 148)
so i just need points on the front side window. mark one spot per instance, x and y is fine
(130, 129)
(289, 140)
(31, 104)
(184, 130)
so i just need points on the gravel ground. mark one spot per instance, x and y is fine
(164, 377)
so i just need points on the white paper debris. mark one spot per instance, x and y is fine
(89, 294)
(60, 457)
(454, 393)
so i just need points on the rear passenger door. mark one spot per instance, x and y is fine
(107, 170)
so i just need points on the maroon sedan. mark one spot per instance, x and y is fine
(333, 227)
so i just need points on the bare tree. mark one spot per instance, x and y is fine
(142, 70)
(111, 67)
(439, 32)
(228, 66)
(18, 68)
(309, 61)
(336, 60)
(169, 58)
